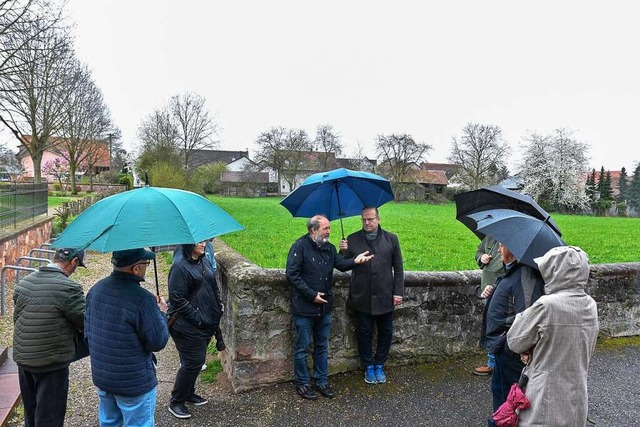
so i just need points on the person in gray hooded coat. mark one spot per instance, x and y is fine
(558, 333)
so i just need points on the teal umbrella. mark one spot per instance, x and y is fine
(146, 217)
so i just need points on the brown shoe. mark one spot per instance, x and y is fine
(482, 371)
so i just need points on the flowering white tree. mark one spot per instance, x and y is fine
(553, 169)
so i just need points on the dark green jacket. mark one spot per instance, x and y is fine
(493, 270)
(48, 312)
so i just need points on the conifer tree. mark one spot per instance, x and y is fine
(623, 186)
(634, 189)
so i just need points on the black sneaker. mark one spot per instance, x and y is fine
(326, 391)
(306, 392)
(196, 400)
(178, 410)
(220, 345)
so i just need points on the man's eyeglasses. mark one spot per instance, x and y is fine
(142, 262)
(370, 219)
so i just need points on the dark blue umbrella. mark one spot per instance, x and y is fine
(526, 237)
(498, 197)
(337, 194)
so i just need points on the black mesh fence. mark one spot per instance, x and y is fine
(20, 201)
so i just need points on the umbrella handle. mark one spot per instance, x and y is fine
(155, 272)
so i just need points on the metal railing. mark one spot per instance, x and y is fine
(20, 201)
(3, 280)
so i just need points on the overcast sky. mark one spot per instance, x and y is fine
(367, 68)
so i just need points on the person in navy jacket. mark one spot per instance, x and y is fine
(309, 270)
(124, 325)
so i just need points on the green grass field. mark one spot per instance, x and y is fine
(430, 237)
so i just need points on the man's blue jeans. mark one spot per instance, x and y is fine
(119, 411)
(318, 328)
(505, 374)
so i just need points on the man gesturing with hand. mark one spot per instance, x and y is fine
(310, 267)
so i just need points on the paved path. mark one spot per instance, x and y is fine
(425, 395)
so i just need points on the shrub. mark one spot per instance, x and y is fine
(126, 179)
(165, 175)
(57, 186)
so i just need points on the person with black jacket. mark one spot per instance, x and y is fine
(48, 319)
(309, 270)
(520, 287)
(195, 298)
(376, 289)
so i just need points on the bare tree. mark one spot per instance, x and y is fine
(196, 127)
(359, 161)
(32, 95)
(481, 154)
(158, 134)
(296, 151)
(400, 154)
(86, 121)
(553, 167)
(18, 17)
(327, 142)
(9, 163)
(269, 151)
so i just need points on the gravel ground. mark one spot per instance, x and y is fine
(444, 394)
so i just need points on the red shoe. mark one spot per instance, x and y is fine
(483, 371)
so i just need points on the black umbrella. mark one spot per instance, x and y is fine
(498, 197)
(526, 237)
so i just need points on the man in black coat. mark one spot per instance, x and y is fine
(310, 267)
(376, 288)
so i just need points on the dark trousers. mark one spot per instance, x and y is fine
(193, 353)
(365, 324)
(44, 396)
(505, 374)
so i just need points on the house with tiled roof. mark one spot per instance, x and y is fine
(244, 183)
(204, 157)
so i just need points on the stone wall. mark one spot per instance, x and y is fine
(440, 317)
(19, 242)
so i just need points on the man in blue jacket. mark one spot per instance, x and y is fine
(310, 267)
(124, 325)
(520, 287)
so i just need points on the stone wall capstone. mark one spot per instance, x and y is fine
(440, 317)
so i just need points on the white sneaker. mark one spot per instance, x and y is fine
(204, 367)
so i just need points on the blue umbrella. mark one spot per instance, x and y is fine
(526, 237)
(337, 194)
(146, 217)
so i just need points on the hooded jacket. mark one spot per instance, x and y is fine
(194, 294)
(309, 271)
(561, 328)
(48, 314)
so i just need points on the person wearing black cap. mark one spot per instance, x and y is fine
(124, 325)
(48, 319)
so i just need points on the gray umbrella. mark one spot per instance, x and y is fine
(526, 237)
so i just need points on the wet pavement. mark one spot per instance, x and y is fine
(444, 394)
